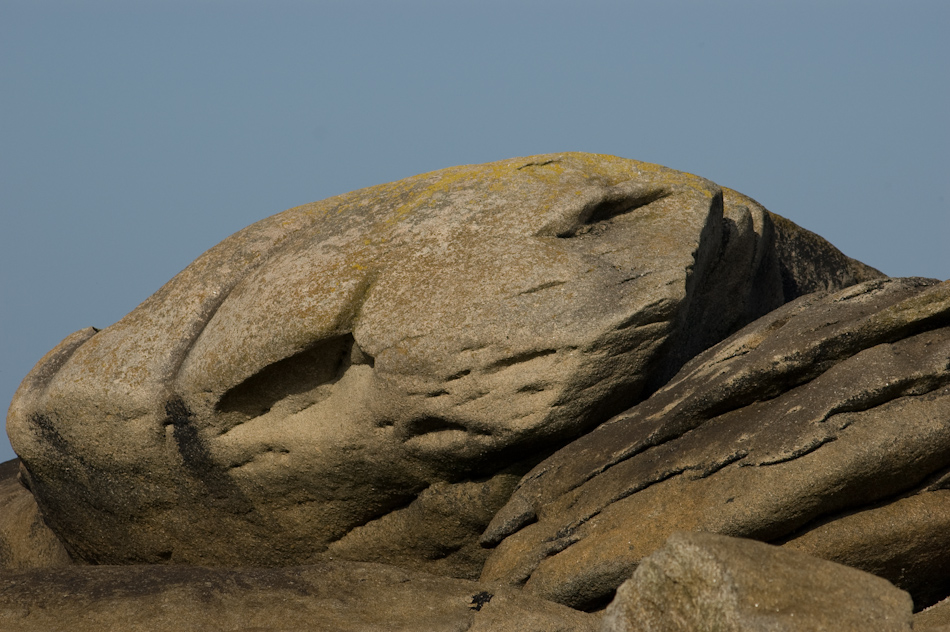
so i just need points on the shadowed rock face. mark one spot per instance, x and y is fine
(367, 377)
(25, 540)
(822, 426)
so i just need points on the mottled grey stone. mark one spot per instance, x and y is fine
(701, 581)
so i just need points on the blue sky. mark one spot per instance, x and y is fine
(138, 134)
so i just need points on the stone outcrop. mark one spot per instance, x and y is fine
(822, 426)
(25, 540)
(328, 597)
(564, 392)
(368, 377)
(700, 581)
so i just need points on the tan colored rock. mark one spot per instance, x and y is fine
(701, 581)
(936, 618)
(823, 424)
(330, 597)
(330, 378)
(904, 540)
(25, 540)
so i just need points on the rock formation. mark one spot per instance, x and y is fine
(25, 540)
(823, 426)
(327, 597)
(368, 377)
(531, 372)
(701, 581)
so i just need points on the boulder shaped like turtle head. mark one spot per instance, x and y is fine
(321, 369)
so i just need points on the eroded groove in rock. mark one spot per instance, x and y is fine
(301, 373)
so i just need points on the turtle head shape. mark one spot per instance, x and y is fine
(324, 366)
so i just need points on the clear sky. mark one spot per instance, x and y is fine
(137, 134)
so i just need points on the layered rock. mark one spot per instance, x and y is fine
(823, 426)
(701, 581)
(368, 377)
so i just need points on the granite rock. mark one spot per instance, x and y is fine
(822, 425)
(25, 540)
(936, 618)
(328, 597)
(327, 380)
(701, 581)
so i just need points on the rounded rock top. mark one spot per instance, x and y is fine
(335, 372)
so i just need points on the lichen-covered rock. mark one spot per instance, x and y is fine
(369, 376)
(823, 424)
(701, 581)
(25, 540)
(328, 597)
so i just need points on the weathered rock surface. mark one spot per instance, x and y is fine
(936, 618)
(823, 425)
(368, 377)
(330, 597)
(25, 540)
(701, 581)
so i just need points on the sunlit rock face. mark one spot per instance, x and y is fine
(368, 376)
(821, 426)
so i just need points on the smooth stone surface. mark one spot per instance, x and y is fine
(811, 425)
(701, 581)
(25, 540)
(329, 379)
(331, 597)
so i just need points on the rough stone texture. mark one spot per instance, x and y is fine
(700, 581)
(25, 540)
(935, 618)
(823, 424)
(331, 597)
(904, 540)
(332, 378)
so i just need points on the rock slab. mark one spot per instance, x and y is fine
(701, 581)
(329, 597)
(821, 426)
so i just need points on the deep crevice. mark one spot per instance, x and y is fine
(610, 207)
(543, 286)
(322, 363)
(519, 358)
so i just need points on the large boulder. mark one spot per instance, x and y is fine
(328, 597)
(368, 377)
(701, 581)
(823, 426)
